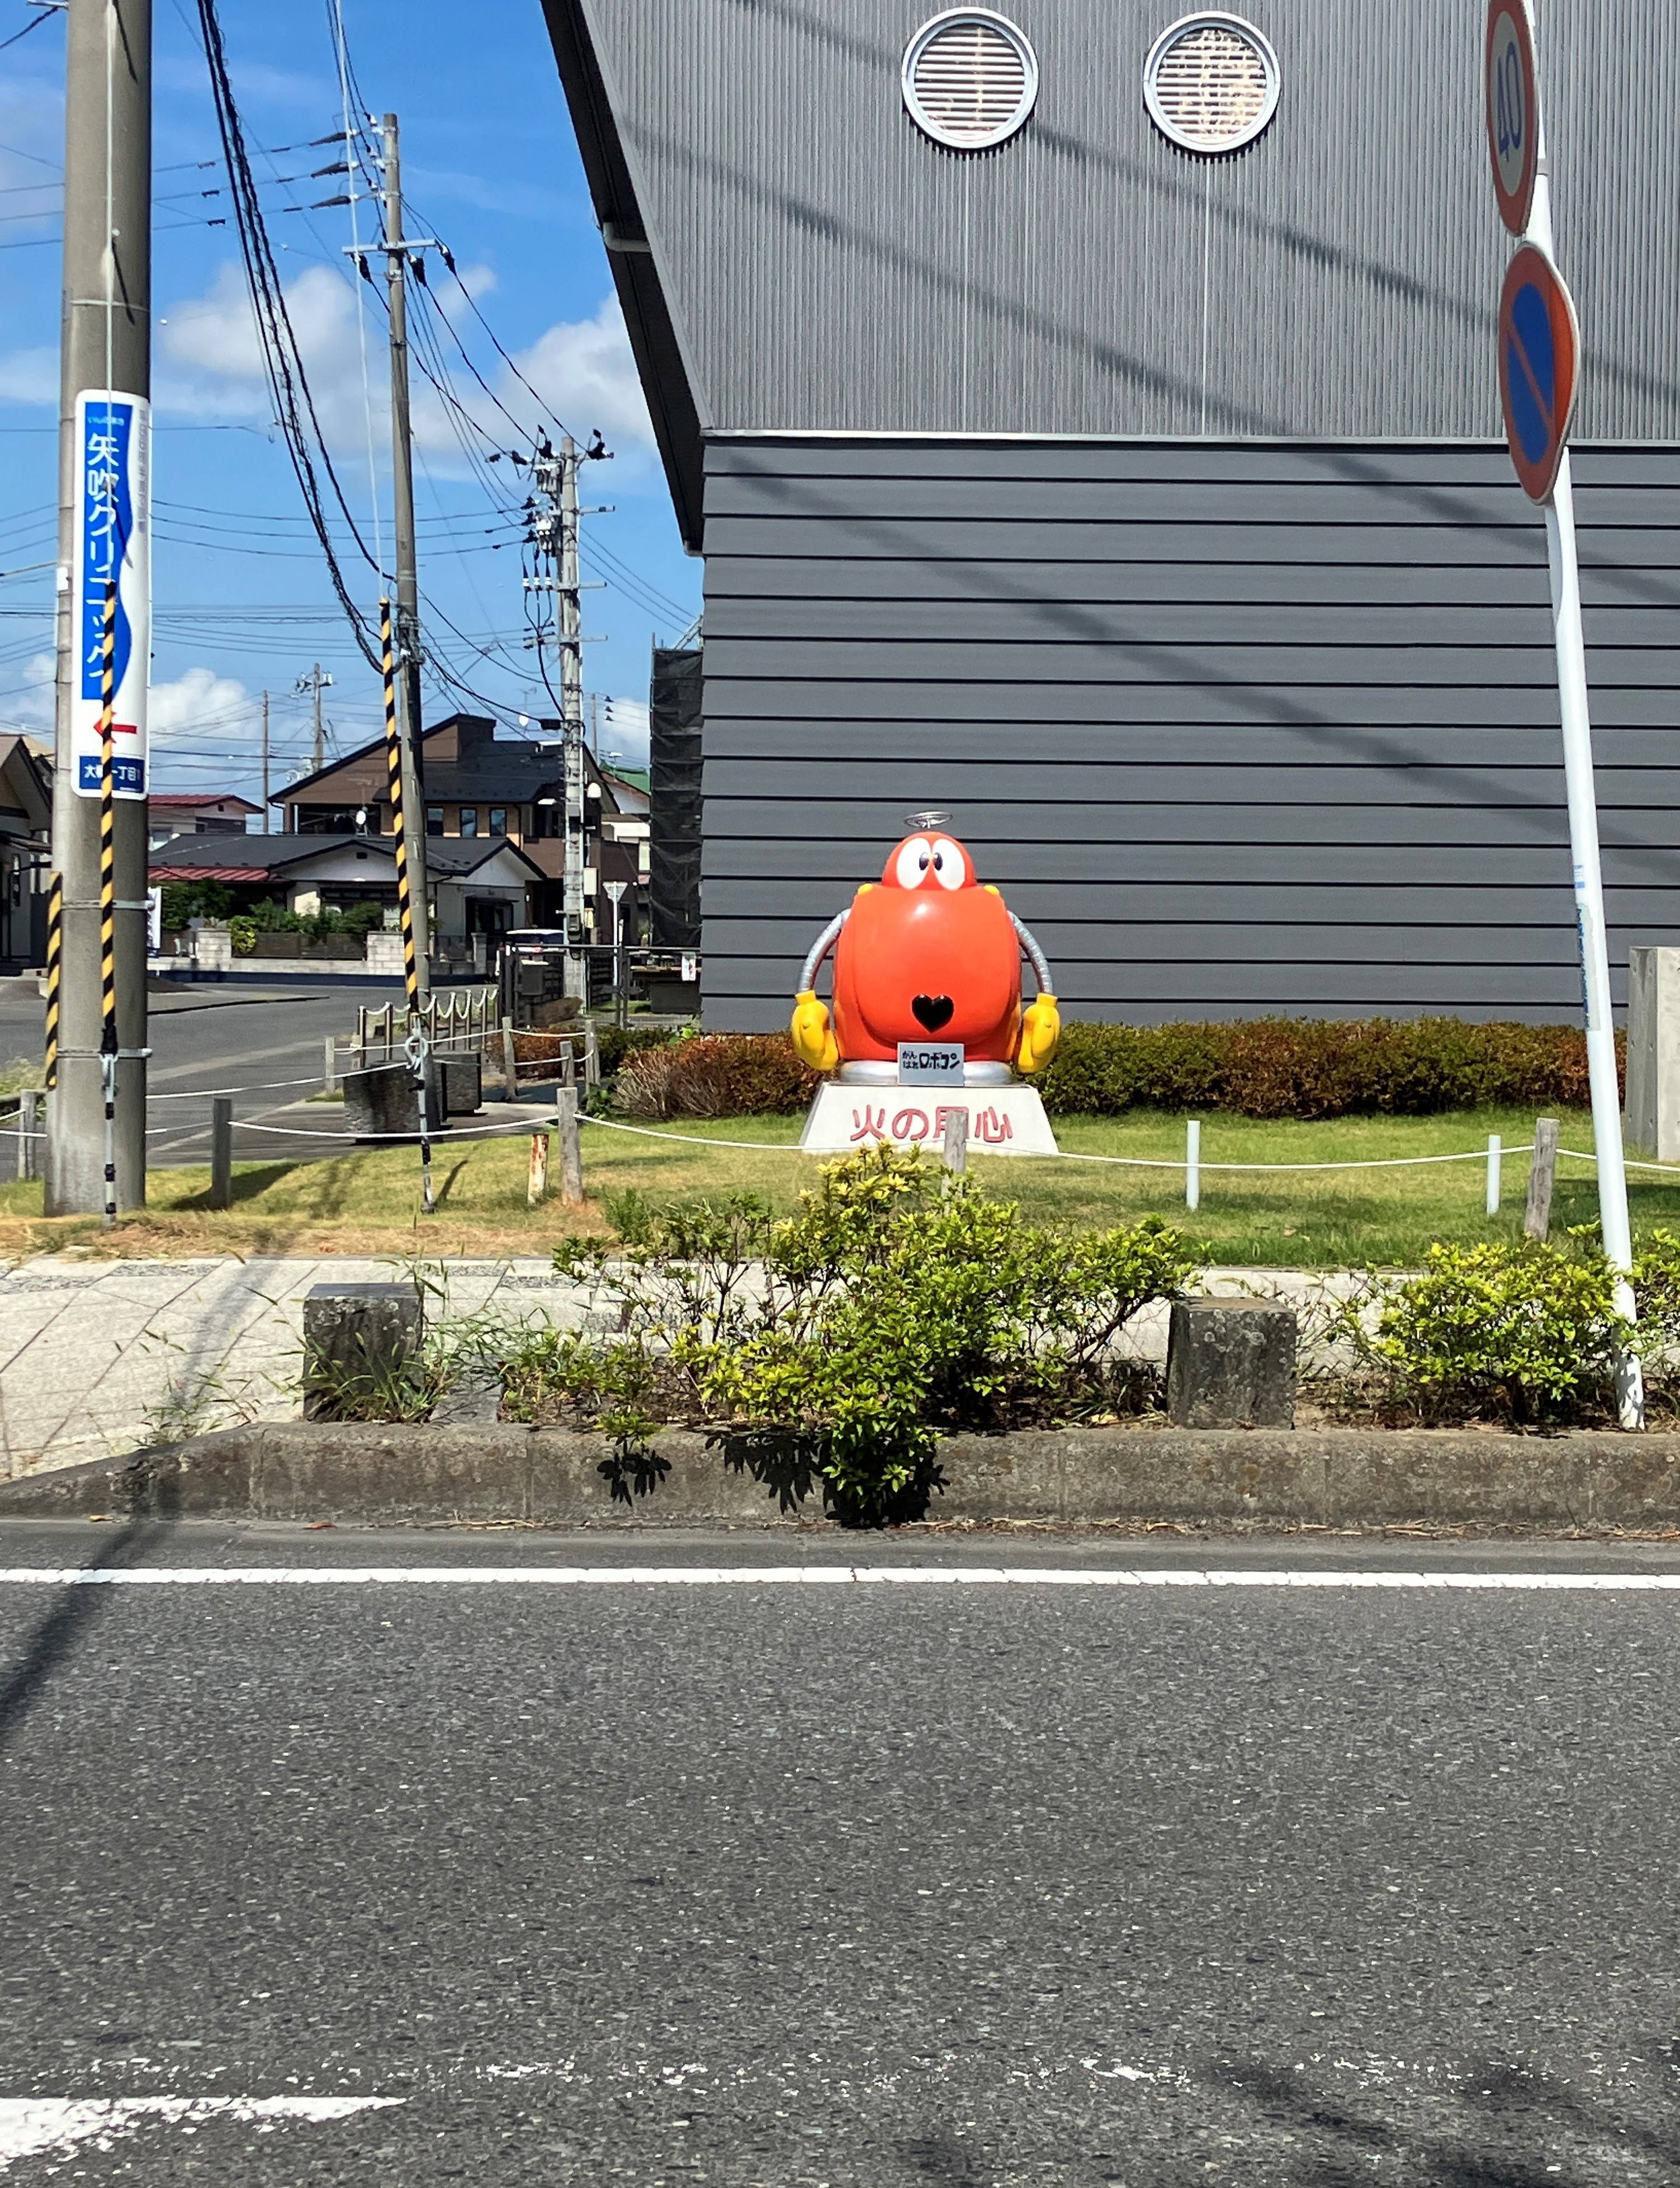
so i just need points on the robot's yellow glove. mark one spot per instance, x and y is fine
(1040, 1031)
(813, 1036)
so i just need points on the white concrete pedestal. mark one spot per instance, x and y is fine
(1653, 1112)
(1002, 1120)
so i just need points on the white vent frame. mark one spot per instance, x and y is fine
(919, 42)
(1222, 19)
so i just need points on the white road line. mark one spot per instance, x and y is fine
(818, 1576)
(32, 2126)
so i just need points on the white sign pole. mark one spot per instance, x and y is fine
(1589, 884)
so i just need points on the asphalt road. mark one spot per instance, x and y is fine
(223, 1037)
(915, 1886)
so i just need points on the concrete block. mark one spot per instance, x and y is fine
(358, 1333)
(384, 955)
(463, 1084)
(1653, 1112)
(385, 1099)
(1231, 1363)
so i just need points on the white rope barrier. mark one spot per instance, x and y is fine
(1062, 1154)
(442, 1138)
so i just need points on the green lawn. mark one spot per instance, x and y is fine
(370, 1203)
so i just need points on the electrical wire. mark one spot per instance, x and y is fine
(283, 362)
(34, 24)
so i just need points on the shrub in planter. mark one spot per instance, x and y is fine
(1526, 1334)
(717, 1075)
(899, 1302)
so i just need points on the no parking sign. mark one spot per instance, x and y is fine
(1539, 368)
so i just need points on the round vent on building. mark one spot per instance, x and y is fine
(1211, 83)
(970, 79)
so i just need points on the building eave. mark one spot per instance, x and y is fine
(633, 258)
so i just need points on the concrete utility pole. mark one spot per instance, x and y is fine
(571, 605)
(397, 247)
(265, 763)
(105, 345)
(313, 684)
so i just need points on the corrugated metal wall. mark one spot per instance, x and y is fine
(1237, 729)
(828, 267)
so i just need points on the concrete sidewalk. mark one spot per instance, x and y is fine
(100, 1357)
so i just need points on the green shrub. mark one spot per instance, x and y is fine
(1526, 1334)
(242, 934)
(743, 1075)
(616, 1043)
(1313, 1069)
(898, 1303)
(188, 900)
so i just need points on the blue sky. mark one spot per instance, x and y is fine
(242, 601)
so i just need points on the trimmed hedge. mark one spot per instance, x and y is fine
(1314, 1068)
(728, 1075)
(1304, 1068)
(615, 1043)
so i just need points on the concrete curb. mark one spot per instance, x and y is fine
(379, 1475)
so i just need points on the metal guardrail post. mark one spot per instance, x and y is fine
(221, 1151)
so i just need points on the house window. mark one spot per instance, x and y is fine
(498, 820)
(469, 820)
(434, 820)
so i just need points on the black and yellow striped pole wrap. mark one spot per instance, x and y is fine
(55, 954)
(393, 757)
(108, 1040)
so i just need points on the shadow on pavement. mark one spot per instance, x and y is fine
(74, 1611)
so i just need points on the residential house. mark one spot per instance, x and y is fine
(171, 813)
(480, 788)
(25, 830)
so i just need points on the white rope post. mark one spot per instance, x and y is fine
(1493, 1154)
(1193, 1164)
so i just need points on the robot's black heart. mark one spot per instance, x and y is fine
(933, 1010)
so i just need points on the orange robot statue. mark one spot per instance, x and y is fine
(927, 955)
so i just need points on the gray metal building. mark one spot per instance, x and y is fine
(1147, 510)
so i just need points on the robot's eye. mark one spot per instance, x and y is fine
(948, 863)
(912, 861)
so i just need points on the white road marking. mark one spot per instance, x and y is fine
(31, 2125)
(1562, 1583)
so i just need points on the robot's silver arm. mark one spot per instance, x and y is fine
(1041, 963)
(821, 948)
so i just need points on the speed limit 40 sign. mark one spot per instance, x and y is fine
(1513, 111)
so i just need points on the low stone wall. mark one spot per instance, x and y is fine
(370, 1475)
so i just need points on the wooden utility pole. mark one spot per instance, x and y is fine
(265, 763)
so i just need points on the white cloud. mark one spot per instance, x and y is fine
(624, 731)
(201, 708)
(31, 708)
(581, 370)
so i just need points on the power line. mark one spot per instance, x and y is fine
(282, 359)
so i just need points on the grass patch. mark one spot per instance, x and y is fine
(370, 1203)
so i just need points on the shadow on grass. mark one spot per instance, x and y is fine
(247, 1183)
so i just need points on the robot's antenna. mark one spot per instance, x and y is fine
(928, 820)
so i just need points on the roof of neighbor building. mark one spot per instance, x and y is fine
(491, 770)
(29, 772)
(257, 858)
(187, 801)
